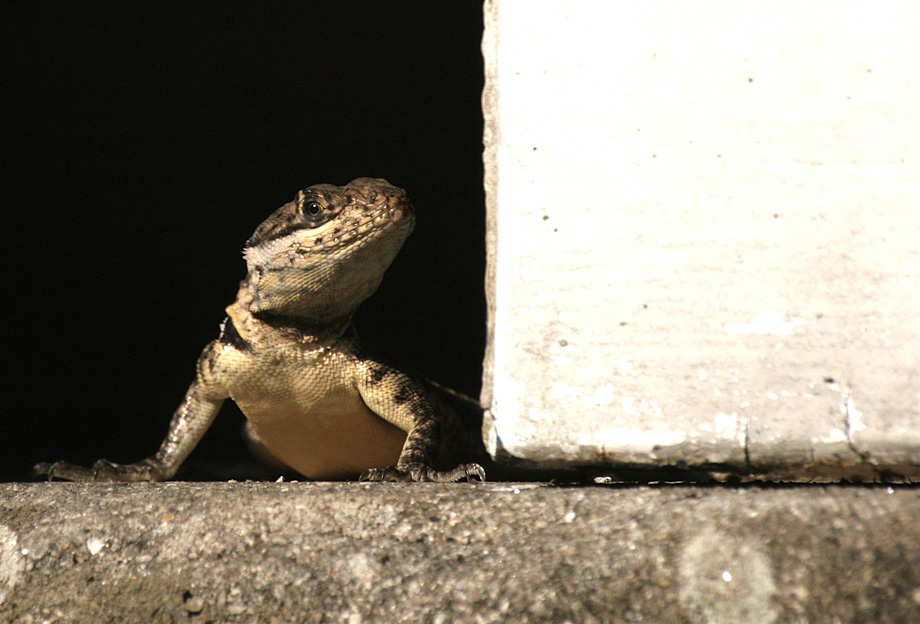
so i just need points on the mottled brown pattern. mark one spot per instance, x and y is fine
(288, 355)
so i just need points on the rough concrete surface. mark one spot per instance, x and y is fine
(502, 552)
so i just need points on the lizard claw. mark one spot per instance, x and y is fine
(41, 470)
(470, 472)
(421, 472)
(65, 471)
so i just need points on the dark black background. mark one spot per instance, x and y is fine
(142, 144)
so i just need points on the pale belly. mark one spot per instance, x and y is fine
(305, 411)
(338, 441)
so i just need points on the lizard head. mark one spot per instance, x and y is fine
(318, 257)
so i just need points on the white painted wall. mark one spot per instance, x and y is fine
(704, 233)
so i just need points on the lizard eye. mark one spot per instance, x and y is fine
(312, 208)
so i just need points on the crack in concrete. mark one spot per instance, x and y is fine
(746, 442)
(852, 422)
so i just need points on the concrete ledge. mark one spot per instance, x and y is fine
(319, 552)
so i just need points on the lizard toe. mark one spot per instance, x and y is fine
(424, 473)
(468, 472)
(377, 475)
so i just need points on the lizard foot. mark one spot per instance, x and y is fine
(421, 472)
(102, 470)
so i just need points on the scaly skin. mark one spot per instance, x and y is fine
(288, 355)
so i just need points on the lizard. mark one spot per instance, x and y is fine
(288, 355)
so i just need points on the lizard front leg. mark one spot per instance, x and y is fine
(403, 402)
(188, 425)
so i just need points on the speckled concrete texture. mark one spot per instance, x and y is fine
(702, 235)
(346, 552)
